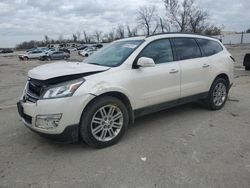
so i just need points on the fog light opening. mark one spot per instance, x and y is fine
(48, 121)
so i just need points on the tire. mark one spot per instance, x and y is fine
(95, 130)
(247, 68)
(86, 55)
(217, 96)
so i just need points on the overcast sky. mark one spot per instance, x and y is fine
(30, 19)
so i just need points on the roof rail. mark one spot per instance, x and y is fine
(189, 33)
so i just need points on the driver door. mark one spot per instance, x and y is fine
(160, 83)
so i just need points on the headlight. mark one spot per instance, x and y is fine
(64, 89)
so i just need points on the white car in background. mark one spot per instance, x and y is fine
(87, 52)
(31, 55)
(98, 98)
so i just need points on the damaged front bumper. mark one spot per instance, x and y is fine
(54, 118)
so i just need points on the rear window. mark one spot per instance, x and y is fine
(37, 52)
(186, 48)
(209, 47)
(58, 52)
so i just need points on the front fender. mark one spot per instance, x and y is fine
(105, 87)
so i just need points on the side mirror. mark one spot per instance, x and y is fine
(145, 62)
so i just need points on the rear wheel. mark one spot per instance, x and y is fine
(217, 95)
(104, 122)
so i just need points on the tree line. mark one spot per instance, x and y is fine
(180, 16)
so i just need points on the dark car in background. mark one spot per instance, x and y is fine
(246, 62)
(97, 45)
(64, 50)
(82, 47)
(56, 55)
(5, 51)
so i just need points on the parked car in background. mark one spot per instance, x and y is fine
(31, 49)
(6, 50)
(82, 47)
(64, 50)
(38, 49)
(97, 99)
(31, 55)
(98, 45)
(56, 55)
(87, 51)
(246, 62)
(50, 50)
(72, 49)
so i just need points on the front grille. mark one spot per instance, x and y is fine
(34, 90)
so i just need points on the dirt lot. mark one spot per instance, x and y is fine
(187, 146)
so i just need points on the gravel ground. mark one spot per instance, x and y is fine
(186, 146)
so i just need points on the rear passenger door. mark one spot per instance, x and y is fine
(194, 67)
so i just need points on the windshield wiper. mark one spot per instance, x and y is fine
(94, 63)
(98, 64)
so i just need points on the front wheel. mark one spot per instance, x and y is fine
(104, 122)
(217, 95)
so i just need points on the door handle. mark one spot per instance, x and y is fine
(172, 71)
(205, 65)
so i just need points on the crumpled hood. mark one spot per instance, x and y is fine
(53, 70)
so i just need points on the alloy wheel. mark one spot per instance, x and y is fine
(219, 94)
(107, 123)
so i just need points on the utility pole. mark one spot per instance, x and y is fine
(241, 39)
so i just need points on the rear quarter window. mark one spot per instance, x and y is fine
(209, 47)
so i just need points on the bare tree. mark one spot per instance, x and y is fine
(134, 32)
(78, 34)
(46, 39)
(60, 38)
(129, 31)
(111, 35)
(146, 15)
(74, 38)
(120, 32)
(178, 14)
(97, 35)
(164, 27)
(197, 19)
(86, 37)
(212, 30)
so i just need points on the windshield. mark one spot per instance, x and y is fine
(114, 54)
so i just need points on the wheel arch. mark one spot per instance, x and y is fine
(225, 77)
(122, 97)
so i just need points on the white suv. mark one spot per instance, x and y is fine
(97, 99)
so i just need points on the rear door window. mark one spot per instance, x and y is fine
(209, 47)
(186, 48)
